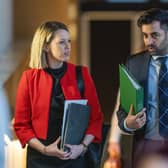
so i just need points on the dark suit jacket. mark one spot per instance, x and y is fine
(138, 65)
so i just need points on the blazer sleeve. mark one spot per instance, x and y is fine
(121, 115)
(96, 116)
(22, 117)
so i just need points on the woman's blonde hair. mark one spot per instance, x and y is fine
(43, 36)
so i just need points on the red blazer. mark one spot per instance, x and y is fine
(33, 102)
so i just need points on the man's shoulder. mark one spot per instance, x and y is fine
(141, 53)
(138, 56)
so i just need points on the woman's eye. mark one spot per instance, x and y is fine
(61, 42)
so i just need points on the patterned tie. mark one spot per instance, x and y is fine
(163, 99)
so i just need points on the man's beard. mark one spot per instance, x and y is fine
(152, 49)
(161, 50)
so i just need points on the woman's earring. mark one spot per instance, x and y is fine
(45, 48)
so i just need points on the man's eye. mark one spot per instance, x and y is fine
(145, 36)
(155, 36)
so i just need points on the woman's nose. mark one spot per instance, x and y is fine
(67, 45)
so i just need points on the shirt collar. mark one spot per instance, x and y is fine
(155, 57)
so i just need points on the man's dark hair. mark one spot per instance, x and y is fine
(153, 14)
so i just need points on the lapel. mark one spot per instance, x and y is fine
(69, 83)
(145, 68)
(138, 65)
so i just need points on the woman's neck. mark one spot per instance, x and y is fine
(54, 65)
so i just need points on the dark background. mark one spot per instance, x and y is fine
(108, 49)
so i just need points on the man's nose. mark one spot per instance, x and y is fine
(149, 40)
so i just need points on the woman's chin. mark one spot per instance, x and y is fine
(66, 58)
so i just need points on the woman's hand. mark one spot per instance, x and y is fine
(53, 150)
(75, 150)
(136, 121)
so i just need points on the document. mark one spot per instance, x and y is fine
(130, 91)
(75, 122)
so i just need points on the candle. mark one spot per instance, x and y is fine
(15, 155)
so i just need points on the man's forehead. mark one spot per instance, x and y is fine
(152, 27)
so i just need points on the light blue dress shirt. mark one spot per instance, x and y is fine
(152, 127)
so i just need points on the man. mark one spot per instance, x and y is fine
(148, 129)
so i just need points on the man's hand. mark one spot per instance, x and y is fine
(136, 121)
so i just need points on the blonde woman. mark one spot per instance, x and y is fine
(40, 101)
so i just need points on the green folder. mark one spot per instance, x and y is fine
(130, 91)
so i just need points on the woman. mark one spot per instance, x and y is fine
(40, 101)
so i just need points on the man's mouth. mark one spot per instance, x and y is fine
(151, 48)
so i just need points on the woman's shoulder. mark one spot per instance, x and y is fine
(33, 72)
(71, 65)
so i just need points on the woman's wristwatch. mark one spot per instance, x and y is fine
(85, 147)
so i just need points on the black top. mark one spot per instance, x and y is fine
(56, 106)
(34, 158)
